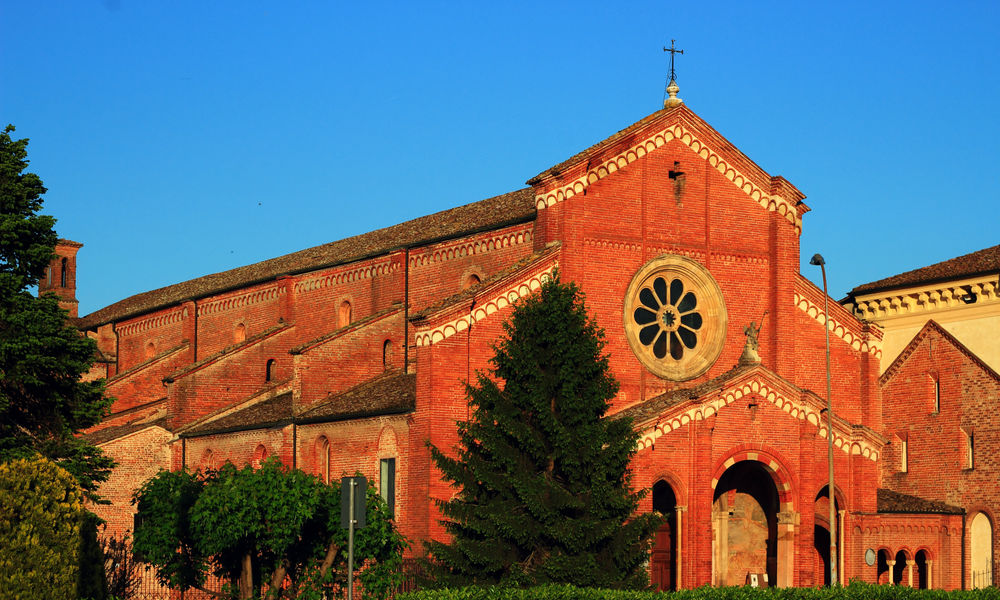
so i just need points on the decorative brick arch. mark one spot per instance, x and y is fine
(780, 474)
(680, 490)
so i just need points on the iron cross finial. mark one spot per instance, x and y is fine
(672, 50)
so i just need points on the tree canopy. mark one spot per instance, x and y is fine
(544, 485)
(258, 526)
(43, 402)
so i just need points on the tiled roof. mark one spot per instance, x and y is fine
(654, 407)
(114, 432)
(534, 257)
(390, 393)
(976, 263)
(269, 412)
(492, 213)
(894, 502)
(130, 420)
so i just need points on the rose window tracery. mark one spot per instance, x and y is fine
(675, 318)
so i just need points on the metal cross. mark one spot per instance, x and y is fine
(672, 51)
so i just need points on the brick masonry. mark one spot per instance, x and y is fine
(318, 336)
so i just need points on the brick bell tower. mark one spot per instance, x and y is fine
(60, 277)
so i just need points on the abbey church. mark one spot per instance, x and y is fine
(350, 356)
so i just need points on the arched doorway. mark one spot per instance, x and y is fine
(922, 573)
(663, 559)
(899, 569)
(980, 551)
(883, 575)
(821, 532)
(745, 526)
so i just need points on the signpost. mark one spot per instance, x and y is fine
(352, 515)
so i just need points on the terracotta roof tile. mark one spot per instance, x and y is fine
(895, 502)
(102, 436)
(390, 393)
(654, 407)
(975, 263)
(269, 412)
(492, 213)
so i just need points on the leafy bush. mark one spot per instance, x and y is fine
(855, 591)
(42, 508)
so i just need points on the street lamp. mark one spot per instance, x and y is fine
(817, 259)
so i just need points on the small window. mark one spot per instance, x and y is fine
(904, 456)
(970, 450)
(150, 350)
(324, 459)
(240, 334)
(344, 314)
(269, 369)
(387, 483)
(471, 280)
(937, 395)
(49, 276)
(387, 354)
(63, 278)
(259, 456)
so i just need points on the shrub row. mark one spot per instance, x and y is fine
(855, 591)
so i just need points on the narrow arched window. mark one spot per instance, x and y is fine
(240, 335)
(387, 354)
(150, 350)
(269, 369)
(62, 280)
(471, 280)
(324, 459)
(259, 455)
(344, 314)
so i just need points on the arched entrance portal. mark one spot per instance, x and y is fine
(821, 531)
(745, 526)
(663, 560)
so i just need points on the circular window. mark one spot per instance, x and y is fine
(675, 318)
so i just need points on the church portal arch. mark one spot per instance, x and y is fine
(747, 506)
(664, 556)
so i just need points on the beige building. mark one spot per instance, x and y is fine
(962, 295)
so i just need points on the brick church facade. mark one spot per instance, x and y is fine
(352, 355)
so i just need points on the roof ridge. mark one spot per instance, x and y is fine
(980, 262)
(910, 347)
(495, 212)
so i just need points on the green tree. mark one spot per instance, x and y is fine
(43, 402)
(42, 508)
(259, 526)
(545, 491)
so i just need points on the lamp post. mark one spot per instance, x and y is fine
(817, 259)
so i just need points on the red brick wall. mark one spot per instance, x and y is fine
(937, 468)
(139, 456)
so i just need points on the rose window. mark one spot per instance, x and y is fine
(675, 317)
(668, 318)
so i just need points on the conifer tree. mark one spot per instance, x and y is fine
(545, 491)
(43, 402)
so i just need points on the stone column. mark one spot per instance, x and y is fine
(892, 570)
(909, 571)
(841, 552)
(678, 511)
(930, 574)
(787, 522)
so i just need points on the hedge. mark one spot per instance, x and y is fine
(855, 591)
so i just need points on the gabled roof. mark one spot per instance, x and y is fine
(393, 392)
(128, 421)
(932, 325)
(492, 213)
(653, 407)
(982, 262)
(889, 501)
(271, 411)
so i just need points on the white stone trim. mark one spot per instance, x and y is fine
(847, 443)
(510, 295)
(872, 346)
(774, 203)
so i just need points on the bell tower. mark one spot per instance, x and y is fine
(60, 277)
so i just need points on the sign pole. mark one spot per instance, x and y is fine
(350, 545)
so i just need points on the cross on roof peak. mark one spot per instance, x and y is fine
(670, 99)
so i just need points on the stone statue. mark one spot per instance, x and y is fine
(752, 332)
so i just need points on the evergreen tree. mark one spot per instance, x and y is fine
(43, 402)
(545, 491)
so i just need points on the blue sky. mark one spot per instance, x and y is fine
(183, 138)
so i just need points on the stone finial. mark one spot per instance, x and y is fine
(672, 100)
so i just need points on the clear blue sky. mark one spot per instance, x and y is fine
(183, 138)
